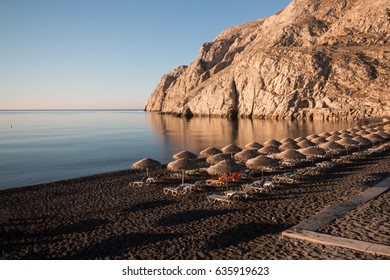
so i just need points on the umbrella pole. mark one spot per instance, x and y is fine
(182, 178)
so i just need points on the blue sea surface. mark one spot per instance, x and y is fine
(43, 146)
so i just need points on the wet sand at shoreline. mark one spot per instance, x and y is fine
(101, 217)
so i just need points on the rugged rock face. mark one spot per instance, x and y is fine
(315, 59)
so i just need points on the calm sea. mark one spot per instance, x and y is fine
(44, 146)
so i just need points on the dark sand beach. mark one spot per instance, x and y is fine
(101, 217)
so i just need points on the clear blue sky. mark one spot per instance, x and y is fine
(64, 54)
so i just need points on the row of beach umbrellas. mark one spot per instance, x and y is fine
(256, 155)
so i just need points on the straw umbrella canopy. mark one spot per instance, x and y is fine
(345, 135)
(319, 140)
(299, 139)
(362, 132)
(226, 166)
(313, 152)
(272, 142)
(185, 154)
(210, 151)
(231, 148)
(246, 154)
(331, 146)
(380, 128)
(333, 138)
(146, 164)
(312, 136)
(371, 130)
(287, 140)
(335, 132)
(382, 134)
(182, 165)
(343, 131)
(325, 134)
(352, 130)
(361, 140)
(291, 155)
(268, 150)
(374, 138)
(288, 146)
(305, 143)
(217, 158)
(253, 145)
(262, 163)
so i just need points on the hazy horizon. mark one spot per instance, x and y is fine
(60, 55)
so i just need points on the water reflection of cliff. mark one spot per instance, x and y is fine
(198, 133)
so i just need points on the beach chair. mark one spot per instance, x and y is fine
(224, 199)
(262, 185)
(246, 192)
(216, 182)
(139, 183)
(155, 179)
(182, 189)
(177, 175)
(234, 177)
(288, 177)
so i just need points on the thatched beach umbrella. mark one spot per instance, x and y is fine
(371, 130)
(291, 155)
(325, 134)
(262, 163)
(210, 151)
(182, 165)
(382, 134)
(306, 143)
(146, 164)
(231, 148)
(331, 146)
(312, 152)
(345, 135)
(362, 132)
(319, 140)
(361, 140)
(374, 138)
(185, 154)
(343, 131)
(335, 132)
(253, 145)
(217, 158)
(380, 128)
(312, 136)
(288, 146)
(269, 150)
(352, 130)
(287, 140)
(333, 138)
(272, 142)
(299, 139)
(246, 154)
(227, 166)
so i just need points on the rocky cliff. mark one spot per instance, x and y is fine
(315, 59)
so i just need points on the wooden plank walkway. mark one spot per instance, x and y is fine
(306, 229)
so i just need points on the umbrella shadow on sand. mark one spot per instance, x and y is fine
(117, 245)
(191, 216)
(244, 233)
(148, 205)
